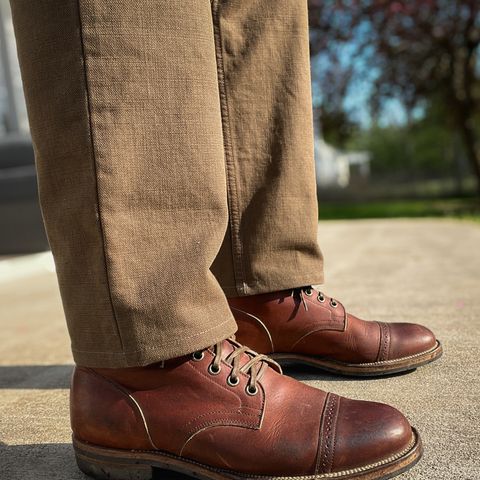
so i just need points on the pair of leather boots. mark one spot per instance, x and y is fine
(227, 412)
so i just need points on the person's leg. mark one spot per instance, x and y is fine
(263, 54)
(125, 116)
(270, 251)
(123, 105)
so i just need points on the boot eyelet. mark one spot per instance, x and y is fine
(333, 303)
(321, 298)
(252, 391)
(308, 292)
(198, 356)
(233, 381)
(213, 370)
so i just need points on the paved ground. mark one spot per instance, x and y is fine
(411, 270)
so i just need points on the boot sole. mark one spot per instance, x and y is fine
(112, 464)
(373, 369)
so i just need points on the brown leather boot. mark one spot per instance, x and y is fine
(228, 413)
(305, 325)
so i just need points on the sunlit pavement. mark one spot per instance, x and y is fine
(424, 271)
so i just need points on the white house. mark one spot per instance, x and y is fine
(334, 167)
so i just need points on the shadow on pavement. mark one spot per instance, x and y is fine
(46, 377)
(52, 461)
(307, 373)
(42, 377)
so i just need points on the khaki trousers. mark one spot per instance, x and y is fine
(173, 142)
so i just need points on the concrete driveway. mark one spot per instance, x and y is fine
(424, 271)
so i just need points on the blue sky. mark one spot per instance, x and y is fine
(357, 97)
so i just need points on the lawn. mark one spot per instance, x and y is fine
(464, 208)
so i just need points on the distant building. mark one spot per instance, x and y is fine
(13, 114)
(335, 168)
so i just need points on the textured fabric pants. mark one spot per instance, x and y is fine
(174, 151)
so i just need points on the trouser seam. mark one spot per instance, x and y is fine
(259, 287)
(157, 347)
(232, 190)
(95, 169)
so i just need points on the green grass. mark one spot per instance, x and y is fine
(464, 208)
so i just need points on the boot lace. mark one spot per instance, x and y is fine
(255, 367)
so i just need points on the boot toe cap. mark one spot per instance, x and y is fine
(410, 339)
(367, 433)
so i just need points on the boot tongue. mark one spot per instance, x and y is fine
(228, 346)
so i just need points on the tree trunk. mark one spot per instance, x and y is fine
(472, 151)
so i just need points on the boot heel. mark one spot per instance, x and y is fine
(111, 468)
(114, 471)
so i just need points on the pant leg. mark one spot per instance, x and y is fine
(263, 58)
(123, 103)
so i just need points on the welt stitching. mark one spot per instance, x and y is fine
(334, 475)
(234, 217)
(94, 158)
(397, 360)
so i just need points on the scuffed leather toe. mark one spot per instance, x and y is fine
(409, 339)
(366, 433)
